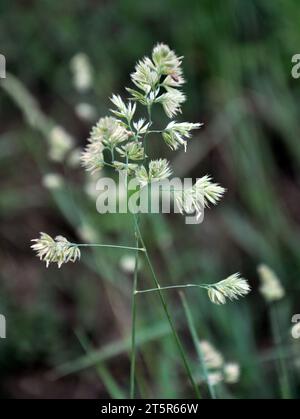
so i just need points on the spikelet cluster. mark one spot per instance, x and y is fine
(176, 133)
(58, 250)
(200, 195)
(230, 288)
(157, 79)
(158, 170)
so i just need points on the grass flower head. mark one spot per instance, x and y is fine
(58, 250)
(232, 288)
(158, 170)
(199, 196)
(176, 133)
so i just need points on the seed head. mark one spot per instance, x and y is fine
(232, 288)
(197, 197)
(158, 170)
(171, 101)
(123, 111)
(145, 76)
(58, 250)
(176, 133)
(140, 127)
(133, 150)
(92, 158)
(109, 131)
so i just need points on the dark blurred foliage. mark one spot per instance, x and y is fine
(237, 62)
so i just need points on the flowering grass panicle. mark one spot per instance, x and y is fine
(119, 142)
(58, 250)
(158, 79)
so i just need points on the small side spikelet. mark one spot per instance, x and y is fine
(232, 288)
(133, 150)
(199, 196)
(123, 110)
(92, 157)
(109, 132)
(58, 250)
(176, 133)
(158, 170)
(159, 78)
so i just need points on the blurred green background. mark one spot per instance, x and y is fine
(68, 329)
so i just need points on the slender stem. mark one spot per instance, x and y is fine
(155, 131)
(169, 287)
(112, 154)
(166, 310)
(107, 164)
(135, 280)
(149, 115)
(114, 246)
(196, 341)
(133, 321)
(280, 364)
(147, 132)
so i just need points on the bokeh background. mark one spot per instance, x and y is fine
(68, 330)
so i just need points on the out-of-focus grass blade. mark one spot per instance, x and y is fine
(107, 379)
(111, 350)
